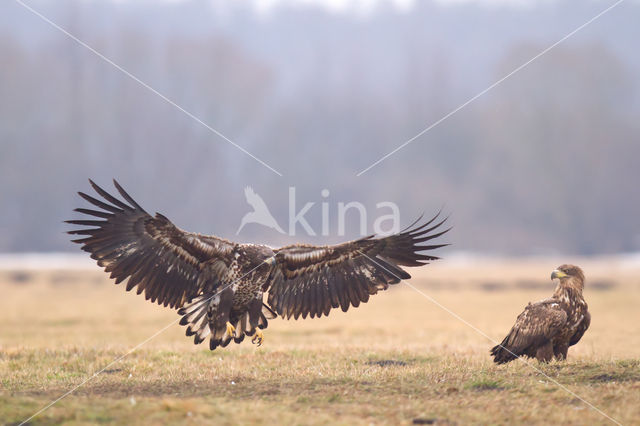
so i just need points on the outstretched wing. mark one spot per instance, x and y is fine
(310, 280)
(534, 327)
(170, 265)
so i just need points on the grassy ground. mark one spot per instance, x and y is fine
(399, 359)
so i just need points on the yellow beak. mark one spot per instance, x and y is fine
(558, 274)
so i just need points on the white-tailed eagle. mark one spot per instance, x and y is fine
(218, 285)
(548, 327)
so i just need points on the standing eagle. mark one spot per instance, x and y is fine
(218, 285)
(548, 327)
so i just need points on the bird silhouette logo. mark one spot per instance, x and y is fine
(260, 214)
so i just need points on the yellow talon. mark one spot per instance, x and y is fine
(258, 338)
(230, 329)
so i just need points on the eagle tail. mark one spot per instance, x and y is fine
(502, 353)
(204, 318)
(267, 314)
(194, 316)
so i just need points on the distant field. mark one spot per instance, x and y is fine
(398, 359)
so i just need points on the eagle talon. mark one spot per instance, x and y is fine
(258, 338)
(230, 329)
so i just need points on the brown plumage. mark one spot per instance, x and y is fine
(218, 285)
(548, 327)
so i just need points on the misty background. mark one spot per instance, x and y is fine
(544, 163)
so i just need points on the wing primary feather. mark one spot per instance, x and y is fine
(86, 222)
(416, 221)
(109, 197)
(430, 237)
(421, 229)
(91, 231)
(100, 204)
(82, 241)
(91, 212)
(126, 196)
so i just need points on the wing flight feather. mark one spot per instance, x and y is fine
(169, 265)
(310, 280)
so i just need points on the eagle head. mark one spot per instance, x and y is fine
(566, 272)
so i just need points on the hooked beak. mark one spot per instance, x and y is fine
(558, 274)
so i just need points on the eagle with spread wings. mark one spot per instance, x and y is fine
(547, 328)
(217, 285)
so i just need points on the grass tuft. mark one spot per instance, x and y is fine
(484, 384)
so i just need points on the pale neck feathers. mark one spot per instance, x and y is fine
(570, 285)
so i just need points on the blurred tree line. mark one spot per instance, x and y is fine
(546, 162)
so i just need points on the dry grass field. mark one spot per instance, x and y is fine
(399, 359)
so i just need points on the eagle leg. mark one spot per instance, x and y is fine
(230, 329)
(258, 338)
(560, 351)
(545, 353)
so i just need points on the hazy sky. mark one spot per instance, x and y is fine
(320, 96)
(363, 6)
